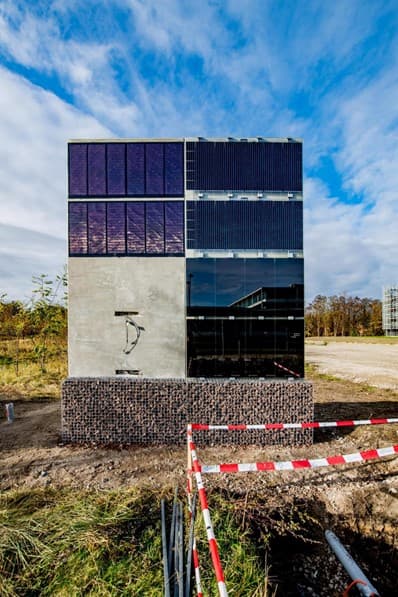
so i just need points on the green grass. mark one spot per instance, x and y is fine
(65, 543)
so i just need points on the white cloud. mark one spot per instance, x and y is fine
(34, 127)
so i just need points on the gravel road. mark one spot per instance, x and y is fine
(374, 364)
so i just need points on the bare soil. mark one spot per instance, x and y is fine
(358, 500)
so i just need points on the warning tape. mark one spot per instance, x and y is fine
(278, 426)
(222, 589)
(289, 465)
(286, 369)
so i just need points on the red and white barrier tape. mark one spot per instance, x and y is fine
(289, 465)
(195, 554)
(222, 589)
(286, 369)
(196, 567)
(278, 426)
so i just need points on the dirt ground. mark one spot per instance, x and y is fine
(374, 364)
(361, 499)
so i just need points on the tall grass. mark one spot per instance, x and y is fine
(69, 544)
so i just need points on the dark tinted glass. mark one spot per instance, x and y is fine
(96, 228)
(78, 169)
(174, 227)
(116, 168)
(126, 228)
(250, 166)
(116, 228)
(126, 169)
(154, 169)
(136, 228)
(77, 228)
(245, 315)
(174, 168)
(155, 228)
(136, 168)
(96, 170)
(245, 225)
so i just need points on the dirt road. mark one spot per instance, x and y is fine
(373, 364)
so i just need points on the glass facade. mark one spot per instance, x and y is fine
(245, 317)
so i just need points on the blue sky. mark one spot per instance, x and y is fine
(323, 71)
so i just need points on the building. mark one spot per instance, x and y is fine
(186, 287)
(167, 239)
(390, 310)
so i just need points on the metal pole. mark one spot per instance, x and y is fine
(164, 548)
(172, 534)
(181, 555)
(190, 548)
(351, 567)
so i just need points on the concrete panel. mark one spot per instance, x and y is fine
(152, 289)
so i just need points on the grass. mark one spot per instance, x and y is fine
(67, 544)
(22, 374)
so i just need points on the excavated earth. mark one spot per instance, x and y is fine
(286, 511)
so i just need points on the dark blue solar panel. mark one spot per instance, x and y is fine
(135, 228)
(77, 228)
(245, 225)
(96, 228)
(174, 227)
(96, 170)
(155, 228)
(174, 169)
(116, 228)
(136, 168)
(78, 169)
(250, 166)
(154, 169)
(116, 169)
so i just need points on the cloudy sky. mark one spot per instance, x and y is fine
(326, 71)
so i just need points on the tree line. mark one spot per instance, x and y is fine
(343, 316)
(34, 330)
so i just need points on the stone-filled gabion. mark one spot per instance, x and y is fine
(115, 410)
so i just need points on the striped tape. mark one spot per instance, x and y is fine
(278, 426)
(286, 369)
(289, 465)
(222, 589)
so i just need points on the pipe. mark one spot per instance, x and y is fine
(353, 570)
(164, 548)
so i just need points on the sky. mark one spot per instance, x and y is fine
(326, 72)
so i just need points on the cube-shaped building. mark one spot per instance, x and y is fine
(186, 258)
(186, 263)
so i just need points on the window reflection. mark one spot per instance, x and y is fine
(245, 317)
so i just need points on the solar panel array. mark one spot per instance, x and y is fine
(245, 225)
(244, 166)
(140, 228)
(126, 169)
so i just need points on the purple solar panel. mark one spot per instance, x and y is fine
(77, 228)
(174, 167)
(154, 169)
(174, 227)
(136, 169)
(96, 228)
(136, 228)
(96, 170)
(116, 168)
(78, 169)
(155, 228)
(116, 228)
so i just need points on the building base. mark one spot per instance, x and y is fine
(115, 410)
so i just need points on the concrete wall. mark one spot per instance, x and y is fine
(152, 286)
